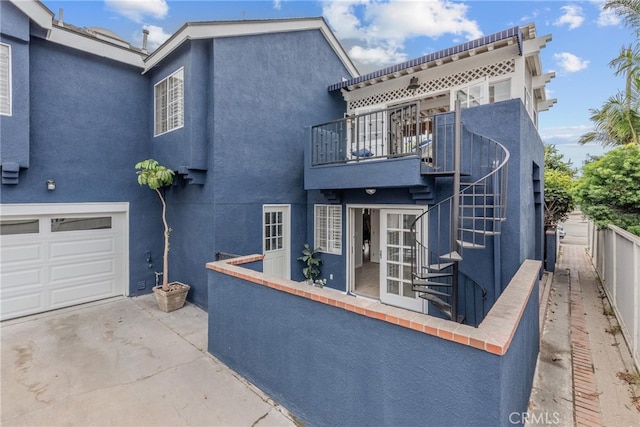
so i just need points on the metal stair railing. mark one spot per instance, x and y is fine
(477, 209)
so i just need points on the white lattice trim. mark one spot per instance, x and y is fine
(436, 85)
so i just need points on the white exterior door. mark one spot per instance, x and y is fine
(54, 256)
(276, 241)
(395, 259)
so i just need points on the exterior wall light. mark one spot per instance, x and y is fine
(370, 191)
(51, 185)
(413, 84)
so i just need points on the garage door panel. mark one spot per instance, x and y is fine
(69, 254)
(80, 247)
(20, 253)
(82, 292)
(81, 270)
(28, 301)
(21, 277)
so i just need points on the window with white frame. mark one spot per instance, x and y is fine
(499, 91)
(328, 228)
(169, 103)
(471, 95)
(5, 79)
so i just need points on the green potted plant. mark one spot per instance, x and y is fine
(311, 269)
(170, 296)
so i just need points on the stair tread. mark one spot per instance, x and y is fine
(470, 245)
(485, 232)
(436, 300)
(451, 256)
(439, 266)
(430, 291)
(434, 275)
(423, 282)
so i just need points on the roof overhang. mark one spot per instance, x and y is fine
(509, 37)
(219, 29)
(95, 46)
(37, 12)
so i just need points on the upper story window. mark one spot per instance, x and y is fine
(499, 91)
(5, 79)
(481, 92)
(471, 95)
(169, 103)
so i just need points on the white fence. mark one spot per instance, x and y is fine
(615, 254)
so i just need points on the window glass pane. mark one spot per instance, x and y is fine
(407, 291)
(18, 226)
(393, 221)
(407, 220)
(5, 79)
(169, 103)
(393, 270)
(500, 91)
(328, 228)
(408, 239)
(267, 244)
(475, 95)
(393, 254)
(393, 237)
(393, 287)
(79, 224)
(406, 272)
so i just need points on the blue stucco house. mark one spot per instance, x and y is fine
(421, 185)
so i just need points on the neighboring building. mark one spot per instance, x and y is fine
(277, 142)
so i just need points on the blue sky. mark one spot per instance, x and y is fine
(381, 33)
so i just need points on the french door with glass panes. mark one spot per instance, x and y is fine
(395, 261)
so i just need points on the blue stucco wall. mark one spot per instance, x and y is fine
(88, 126)
(332, 367)
(14, 129)
(509, 124)
(254, 118)
(505, 122)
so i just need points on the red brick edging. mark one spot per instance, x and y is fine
(585, 395)
(494, 334)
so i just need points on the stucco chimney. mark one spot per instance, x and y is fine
(145, 37)
(61, 17)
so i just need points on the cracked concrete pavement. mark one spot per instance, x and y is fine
(123, 362)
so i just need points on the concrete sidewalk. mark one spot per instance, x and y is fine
(576, 380)
(123, 362)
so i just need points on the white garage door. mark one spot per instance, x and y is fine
(58, 255)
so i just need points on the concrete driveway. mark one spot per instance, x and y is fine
(123, 362)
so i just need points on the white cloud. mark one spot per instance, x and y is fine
(376, 55)
(156, 37)
(136, 10)
(569, 62)
(277, 4)
(564, 134)
(573, 16)
(607, 18)
(378, 29)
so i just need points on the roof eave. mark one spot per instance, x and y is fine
(509, 36)
(37, 12)
(219, 29)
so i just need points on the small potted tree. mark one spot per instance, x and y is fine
(170, 296)
(311, 269)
